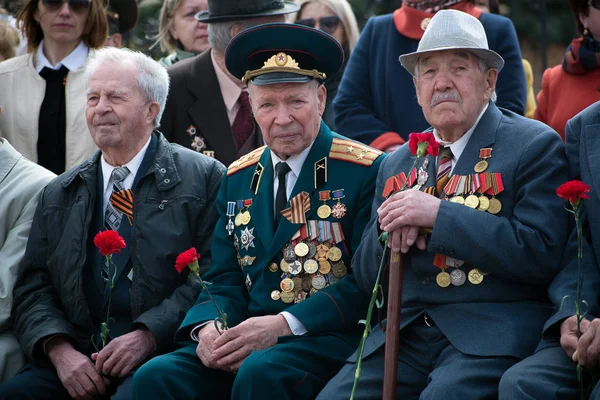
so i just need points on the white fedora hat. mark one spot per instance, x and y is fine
(453, 30)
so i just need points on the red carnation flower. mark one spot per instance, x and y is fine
(188, 258)
(424, 143)
(109, 242)
(573, 191)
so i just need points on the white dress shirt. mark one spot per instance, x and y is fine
(458, 146)
(133, 166)
(75, 60)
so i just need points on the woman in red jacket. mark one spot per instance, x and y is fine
(569, 88)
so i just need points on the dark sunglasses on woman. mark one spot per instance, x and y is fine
(326, 24)
(77, 6)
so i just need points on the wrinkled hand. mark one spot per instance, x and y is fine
(404, 213)
(75, 370)
(568, 335)
(589, 343)
(206, 345)
(125, 353)
(237, 343)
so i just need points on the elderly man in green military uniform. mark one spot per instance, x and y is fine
(291, 217)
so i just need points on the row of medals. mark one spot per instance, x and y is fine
(458, 277)
(307, 268)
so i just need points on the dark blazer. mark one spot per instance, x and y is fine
(520, 247)
(583, 153)
(195, 109)
(377, 95)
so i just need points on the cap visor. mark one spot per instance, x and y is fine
(280, 77)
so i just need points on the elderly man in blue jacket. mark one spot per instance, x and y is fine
(474, 292)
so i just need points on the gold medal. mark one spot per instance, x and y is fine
(301, 249)
(443, 279)
(275, 295)
(339, 270)
(285, 267)
(297, 284)
(324, 267)
(458, 200)
(324, 211)
(472, 201)
(273, 267)
(481, 166)
(475, 277)
(238, 219)
(288, 297)
(495, 206)
(246, 217)
(334, 254)
(484, 203)
(286, 285)
(311, 266)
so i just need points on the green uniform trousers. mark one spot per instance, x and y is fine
(298, 367)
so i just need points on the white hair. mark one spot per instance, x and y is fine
(152, 80)
(219, 33)
(483, 67)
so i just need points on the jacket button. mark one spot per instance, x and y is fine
(167, 180)
(451, 252)
(440, 249)
(111, 321)
(163, 170)
(425, 282)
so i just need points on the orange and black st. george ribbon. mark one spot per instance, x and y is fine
(123, 202)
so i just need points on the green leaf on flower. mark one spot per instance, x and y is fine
(562, 302)
(380, 301)
(384, 237)
(207, 283)
(362, 321)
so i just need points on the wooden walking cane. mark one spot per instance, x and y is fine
(392, 329)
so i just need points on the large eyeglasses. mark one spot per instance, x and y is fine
(326, 24)
(77, 6)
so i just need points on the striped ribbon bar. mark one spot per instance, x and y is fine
(299, 206)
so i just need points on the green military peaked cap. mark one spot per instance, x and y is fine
(283, 53)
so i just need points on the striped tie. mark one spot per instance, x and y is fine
(113, 216)
(444, 167)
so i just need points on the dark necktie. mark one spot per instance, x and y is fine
(243, 125)
(281, 196)
(51, 145)
(444, 167)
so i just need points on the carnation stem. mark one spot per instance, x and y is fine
(222, 316)
(577, 211)
(374, 295)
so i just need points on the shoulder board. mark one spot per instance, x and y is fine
(354, 152)
(245, 161)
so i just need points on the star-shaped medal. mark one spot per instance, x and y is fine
(247, 238)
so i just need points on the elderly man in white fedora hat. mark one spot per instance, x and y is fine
(474, 286)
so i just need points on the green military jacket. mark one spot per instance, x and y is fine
(303, 267)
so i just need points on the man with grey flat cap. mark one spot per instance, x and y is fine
(474, 287)
(208, 108)
(292, 215)
(122, 15)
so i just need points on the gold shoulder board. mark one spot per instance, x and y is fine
(245, 161)
(354, 152)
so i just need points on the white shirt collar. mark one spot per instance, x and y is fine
(75, 60)
(133, 165)
(295, 162)
(458, 146)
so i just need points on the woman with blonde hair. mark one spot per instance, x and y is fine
(336, 18)
(180, 34)
(42, 93)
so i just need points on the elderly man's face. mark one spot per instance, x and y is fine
(289, 115)
(452, 90)
(118, 116)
